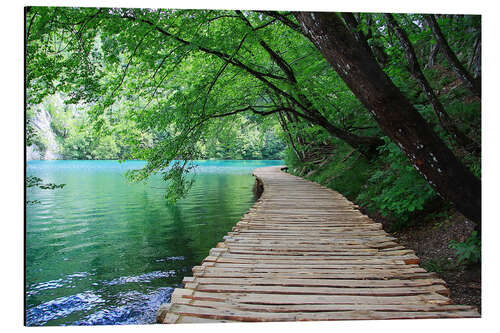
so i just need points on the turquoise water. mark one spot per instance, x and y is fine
(105, 251)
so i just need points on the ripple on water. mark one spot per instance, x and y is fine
(68, 280)
(66, 230)
(62, 307)
(77, 247)
(177, 258)
(129, 307)
(147, 277)
(137, 308)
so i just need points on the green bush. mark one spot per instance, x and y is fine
(396, 189)
(347, 177)
(469, 252)
(437, 265)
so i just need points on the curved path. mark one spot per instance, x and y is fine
(304, 252)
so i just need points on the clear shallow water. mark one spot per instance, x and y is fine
(105, 251)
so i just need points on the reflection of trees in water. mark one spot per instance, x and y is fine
(165, 242)
(227, 199)
(179, 241)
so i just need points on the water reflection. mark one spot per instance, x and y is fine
(104, 251)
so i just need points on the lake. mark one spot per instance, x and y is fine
(103, 250)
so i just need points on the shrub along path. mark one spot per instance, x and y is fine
(304, 252)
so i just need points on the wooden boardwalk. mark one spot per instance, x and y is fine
(304, 252)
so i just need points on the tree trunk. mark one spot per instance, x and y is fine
(444, 119)
(375, 50)
(293, 120)
(458, 68)
(393, 112)
(353, 25)
(366, 145)
(475, 60)
(290, 138)
(432, 56)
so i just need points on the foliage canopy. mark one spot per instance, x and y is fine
(190, 78)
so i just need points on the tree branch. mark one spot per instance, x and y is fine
(162, 61)
(456, 65)
(274, 56)
(216, 53)
(283, 19)
(130, 60)
(29, 26)
(264, 25)
(220, 73)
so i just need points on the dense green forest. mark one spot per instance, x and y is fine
(384, 108)
(65, 131)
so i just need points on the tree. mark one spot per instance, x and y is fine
(473, 84)
(393, 112)
(444, 119)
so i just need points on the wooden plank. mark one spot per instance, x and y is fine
(320, 269)
(315, 282)
(221, 314)
(255, 298)
(199, 320)
(312, 266)
(317, 250)
(318, 290)
(235, 258)
(358, 239)
(313, 257)
(326, 307)
(313, 275)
